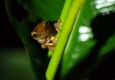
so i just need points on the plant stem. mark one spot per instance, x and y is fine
(69, 12)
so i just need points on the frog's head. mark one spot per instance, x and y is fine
(40, 32)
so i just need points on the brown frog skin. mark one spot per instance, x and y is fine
(45, 33)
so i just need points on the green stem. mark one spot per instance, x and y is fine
(63, 16)
(69, 12)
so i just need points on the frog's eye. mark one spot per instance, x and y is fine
(34, 34)
(47, 23)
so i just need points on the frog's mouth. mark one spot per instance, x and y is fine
(41, 40)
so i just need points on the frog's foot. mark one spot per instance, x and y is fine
(43, 46)
(51, 43)
(50, 46)
(57, 25)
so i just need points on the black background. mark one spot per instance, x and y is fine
(8, 36)
(14, 62)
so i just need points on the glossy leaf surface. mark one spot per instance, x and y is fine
(91, 31)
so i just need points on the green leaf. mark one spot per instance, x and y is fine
(35, 11)
(81, 45)
(85, 48)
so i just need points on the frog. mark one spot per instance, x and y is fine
(45, 33)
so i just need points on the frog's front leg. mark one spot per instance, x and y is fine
(51, 43)
(57, 25)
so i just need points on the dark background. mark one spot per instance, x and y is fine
(8, 37)
(14, 62)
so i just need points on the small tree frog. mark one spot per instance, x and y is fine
(45, 33)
